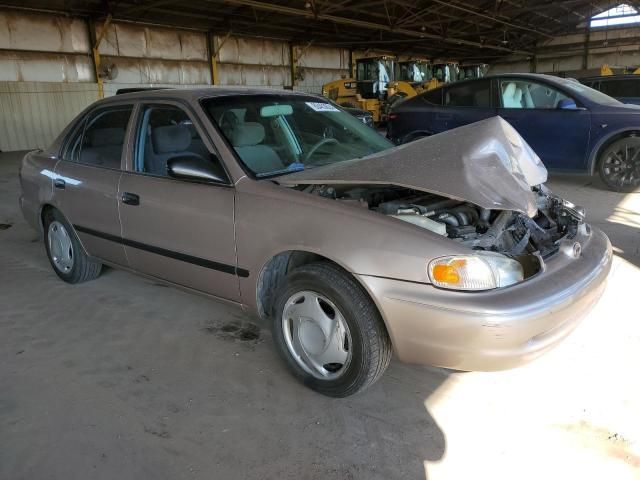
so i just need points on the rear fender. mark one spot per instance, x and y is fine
(592, 162)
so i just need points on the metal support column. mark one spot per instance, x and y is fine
(215, 45)
(212, 60)
(585, 52)
(96, 39)
(293, 60)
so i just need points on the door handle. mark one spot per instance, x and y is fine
(444, 116)
(130, 198)
(59, 183)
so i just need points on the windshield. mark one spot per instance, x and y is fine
(277, 134)
(589, 93)
(444, 72)
(414, 72)
(366, 70)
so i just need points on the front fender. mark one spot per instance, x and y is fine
(271, 219)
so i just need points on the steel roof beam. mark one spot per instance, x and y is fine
(362, 24)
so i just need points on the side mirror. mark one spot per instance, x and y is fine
(191, 167)
(568, 104)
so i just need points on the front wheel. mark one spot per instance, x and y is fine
(329, 332)
(619, 165)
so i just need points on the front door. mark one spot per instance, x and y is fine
(86, 181)
(559, 136)
(177, 230)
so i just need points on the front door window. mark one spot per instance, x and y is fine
(523, 94)
(166, 132)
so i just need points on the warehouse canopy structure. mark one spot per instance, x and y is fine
(479, 30)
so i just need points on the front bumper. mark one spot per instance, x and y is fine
(495, 329)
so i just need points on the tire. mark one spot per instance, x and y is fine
(66, 255)
(619, 165)
(356, 324)
(414, 136)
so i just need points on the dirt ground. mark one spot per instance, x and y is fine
(123, 378)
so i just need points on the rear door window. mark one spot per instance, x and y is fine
(101, 141)
(434, 97)
(472, 94)
(71, 151)
(621, 88)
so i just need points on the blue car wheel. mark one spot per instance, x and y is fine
(619, 165)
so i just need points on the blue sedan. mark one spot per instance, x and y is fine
(570, 126)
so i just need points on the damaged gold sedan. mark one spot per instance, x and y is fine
(448, 251)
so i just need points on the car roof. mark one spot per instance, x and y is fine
(194, 94)
(613, 78)
(528, 76)
(532, 76)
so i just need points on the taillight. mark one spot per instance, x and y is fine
(393, 116)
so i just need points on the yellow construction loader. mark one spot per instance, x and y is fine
(379, 82)
(467, 71)
(373, 83)
(417, 76)
(606, 70)
(366, 88)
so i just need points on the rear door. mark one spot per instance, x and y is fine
(86, 180)
(560, 136)
(177, 230)
(464, 103)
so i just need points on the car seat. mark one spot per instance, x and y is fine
(512, 96)
(246, 139)
(528, 99)
(167, 142)
(197, 145)
(103, 147)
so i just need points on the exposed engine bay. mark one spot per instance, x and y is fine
(504, 231)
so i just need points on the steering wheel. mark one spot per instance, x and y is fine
(314, 149)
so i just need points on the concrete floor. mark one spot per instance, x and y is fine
(122, 378)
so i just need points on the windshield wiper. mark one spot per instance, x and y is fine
(293, 167)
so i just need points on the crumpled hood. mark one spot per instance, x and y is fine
(486, 163)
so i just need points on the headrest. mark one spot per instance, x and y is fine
(247, 134)
(102, 137)
(518, 95)
(510, 90)
(170, 138)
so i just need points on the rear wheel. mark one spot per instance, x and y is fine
(329, 332)
(619, 165)
(414, 136)
(67, 257)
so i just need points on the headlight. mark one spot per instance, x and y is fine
(481, 271)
